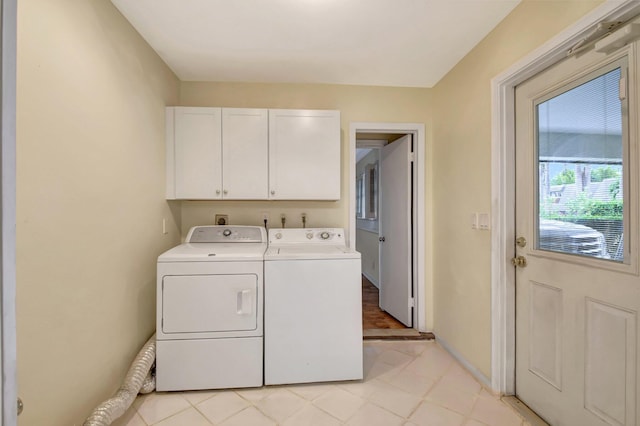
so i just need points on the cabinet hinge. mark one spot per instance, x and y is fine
(412, 156)
(412, 302)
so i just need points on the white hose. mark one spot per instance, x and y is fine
(138, 378)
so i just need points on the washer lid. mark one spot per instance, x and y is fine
(214, 252)
(310, 252)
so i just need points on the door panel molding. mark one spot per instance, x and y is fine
(503, 178)
(610, 340)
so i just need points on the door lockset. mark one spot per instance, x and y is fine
(519, 261)
(521, 241)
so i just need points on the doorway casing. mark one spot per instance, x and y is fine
(421, 248)
(503, 181)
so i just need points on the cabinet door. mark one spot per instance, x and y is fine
(304, 155)
(245, 164)
(197, 153)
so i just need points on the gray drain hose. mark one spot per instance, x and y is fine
(138, 379)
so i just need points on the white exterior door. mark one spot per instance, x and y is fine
(578, 294)
(395, 230)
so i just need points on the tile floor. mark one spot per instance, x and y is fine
(406, 383)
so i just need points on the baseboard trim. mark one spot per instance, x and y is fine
(374, 282)
(466, 364)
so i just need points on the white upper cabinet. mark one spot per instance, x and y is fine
(245, 154)
(194, 153)
(304, 155)
(252, 154)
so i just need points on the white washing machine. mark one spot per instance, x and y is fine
(210, 310)
(313, 307)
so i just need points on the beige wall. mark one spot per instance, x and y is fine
(356, 103)
(90, 203)
(367, 244)
(462, 173)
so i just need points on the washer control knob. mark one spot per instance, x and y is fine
(278, 235)
(309, 235)
(325, 235)
(226, 232)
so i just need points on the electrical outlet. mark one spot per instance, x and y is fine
(164, 227)
(265, 216)
(222, 219)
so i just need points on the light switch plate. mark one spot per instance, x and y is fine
(483, 221)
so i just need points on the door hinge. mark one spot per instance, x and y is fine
(412, 156)
(412, 302)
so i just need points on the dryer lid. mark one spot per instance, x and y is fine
(214, 252)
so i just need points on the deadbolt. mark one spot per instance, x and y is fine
(521, 241)
(520, 261)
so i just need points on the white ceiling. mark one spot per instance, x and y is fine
(410, 43)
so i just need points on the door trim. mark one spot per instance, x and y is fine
(8, 385)
(503, 181)
(422, 253)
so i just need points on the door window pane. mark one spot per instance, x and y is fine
(580, 153)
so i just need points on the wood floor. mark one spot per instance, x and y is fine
(372, 316)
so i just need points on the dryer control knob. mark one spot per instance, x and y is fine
(309, 235)
(278, 235)
(226, 232)
(325, 235)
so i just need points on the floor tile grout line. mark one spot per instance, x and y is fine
(389, 377)
(166, 418)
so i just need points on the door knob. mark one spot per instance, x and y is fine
(381, 239)
(519, 261)
(20, 406)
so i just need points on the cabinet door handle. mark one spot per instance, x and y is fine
(225, 192)
(273, 192)
(217, 192)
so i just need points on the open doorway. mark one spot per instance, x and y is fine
(388, 153)
(371, 233)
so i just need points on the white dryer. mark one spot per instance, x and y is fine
(210, 310)
(313, 307)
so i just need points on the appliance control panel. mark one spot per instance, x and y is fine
(226, 234)
(283, 236)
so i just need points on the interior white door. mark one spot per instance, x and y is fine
(577, 295)
(395, 230)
